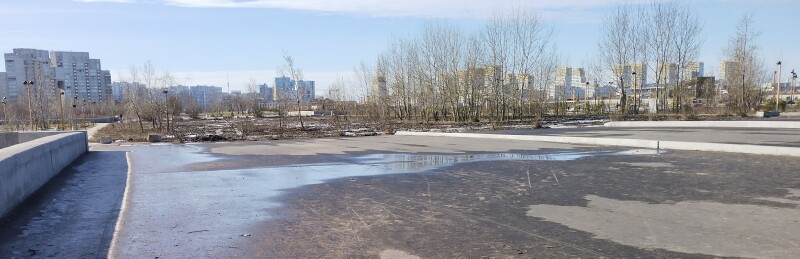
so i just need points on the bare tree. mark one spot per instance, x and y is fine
(289, 69)
(748, 67)
(615, 47)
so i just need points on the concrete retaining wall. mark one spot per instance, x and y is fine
(706, 124)
(25, 167)
(8, 139)
(639, 143)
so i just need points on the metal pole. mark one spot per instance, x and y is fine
(5, 120)
(28, 85)
(635, 97)
(166, 107)
(61, 109)
(778, 94)
(83, 110)
(74, 112)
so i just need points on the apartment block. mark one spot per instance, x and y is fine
(75, 73)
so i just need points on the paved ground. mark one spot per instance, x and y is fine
(767, 137)
(406, 196)
(73, 215)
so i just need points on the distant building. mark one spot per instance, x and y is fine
(75, 73)
(3, 85)
(307, 89)
(286, 89)
(694, 70)
(283, 89)
(265, 92)
(205, 95)
(627, 76)
(569, 83)
(727, 69)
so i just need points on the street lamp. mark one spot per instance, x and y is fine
(28, 84)
(778, 94)
(74, 112)
(794, 83)
(5, 121)
(635, 97)
(586, 96)
(166, 106)
(61, 109)
(83, 110)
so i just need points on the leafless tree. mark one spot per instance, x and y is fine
(744, 53)
(289, 69)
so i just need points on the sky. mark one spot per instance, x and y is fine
(216, 42)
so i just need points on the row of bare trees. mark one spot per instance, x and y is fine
(660, 39)
(446, 73)
(506, 69)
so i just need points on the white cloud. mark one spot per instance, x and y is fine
(424, 8)
(107, 1)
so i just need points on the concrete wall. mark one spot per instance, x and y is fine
(8, 139)
(25, 167)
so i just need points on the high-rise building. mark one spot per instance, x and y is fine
(306, 89)
(283, 89)
(568, 81)
(286, 89)
(693, 70)
(668, 73)
(205, 95)
(73, 72)
(3, 85)
(726, 70)
(627, 76)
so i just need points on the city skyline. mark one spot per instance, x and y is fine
(206, 42)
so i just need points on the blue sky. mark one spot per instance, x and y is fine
(207, 41)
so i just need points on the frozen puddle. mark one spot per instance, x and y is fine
(739, 230)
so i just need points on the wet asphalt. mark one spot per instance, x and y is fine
(372, 196)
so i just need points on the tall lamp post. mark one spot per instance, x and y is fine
(61, 110)
(778, 94)
(586, 97)
(74, 111)
(83, 110)
(794, 84)
(28, 84)
(5, 120)
(635, 97)
(166, 106)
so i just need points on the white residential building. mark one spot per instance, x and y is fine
(73, 72)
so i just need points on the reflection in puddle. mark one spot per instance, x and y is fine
(226, 204)
(416, 162)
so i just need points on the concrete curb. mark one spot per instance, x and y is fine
(705, 124)
(639, 143)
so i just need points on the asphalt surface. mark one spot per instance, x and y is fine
(750, 136)
(427, 197)
(73, 215)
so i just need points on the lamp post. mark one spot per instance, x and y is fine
(635, 97)
(778, 93)
(83, 110)
(28, 84)
(794, 83)
(74, 111)
(5, 121)
(61, 109)
(166, 106)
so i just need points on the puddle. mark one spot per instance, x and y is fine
(199, 209)
(738, 230)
